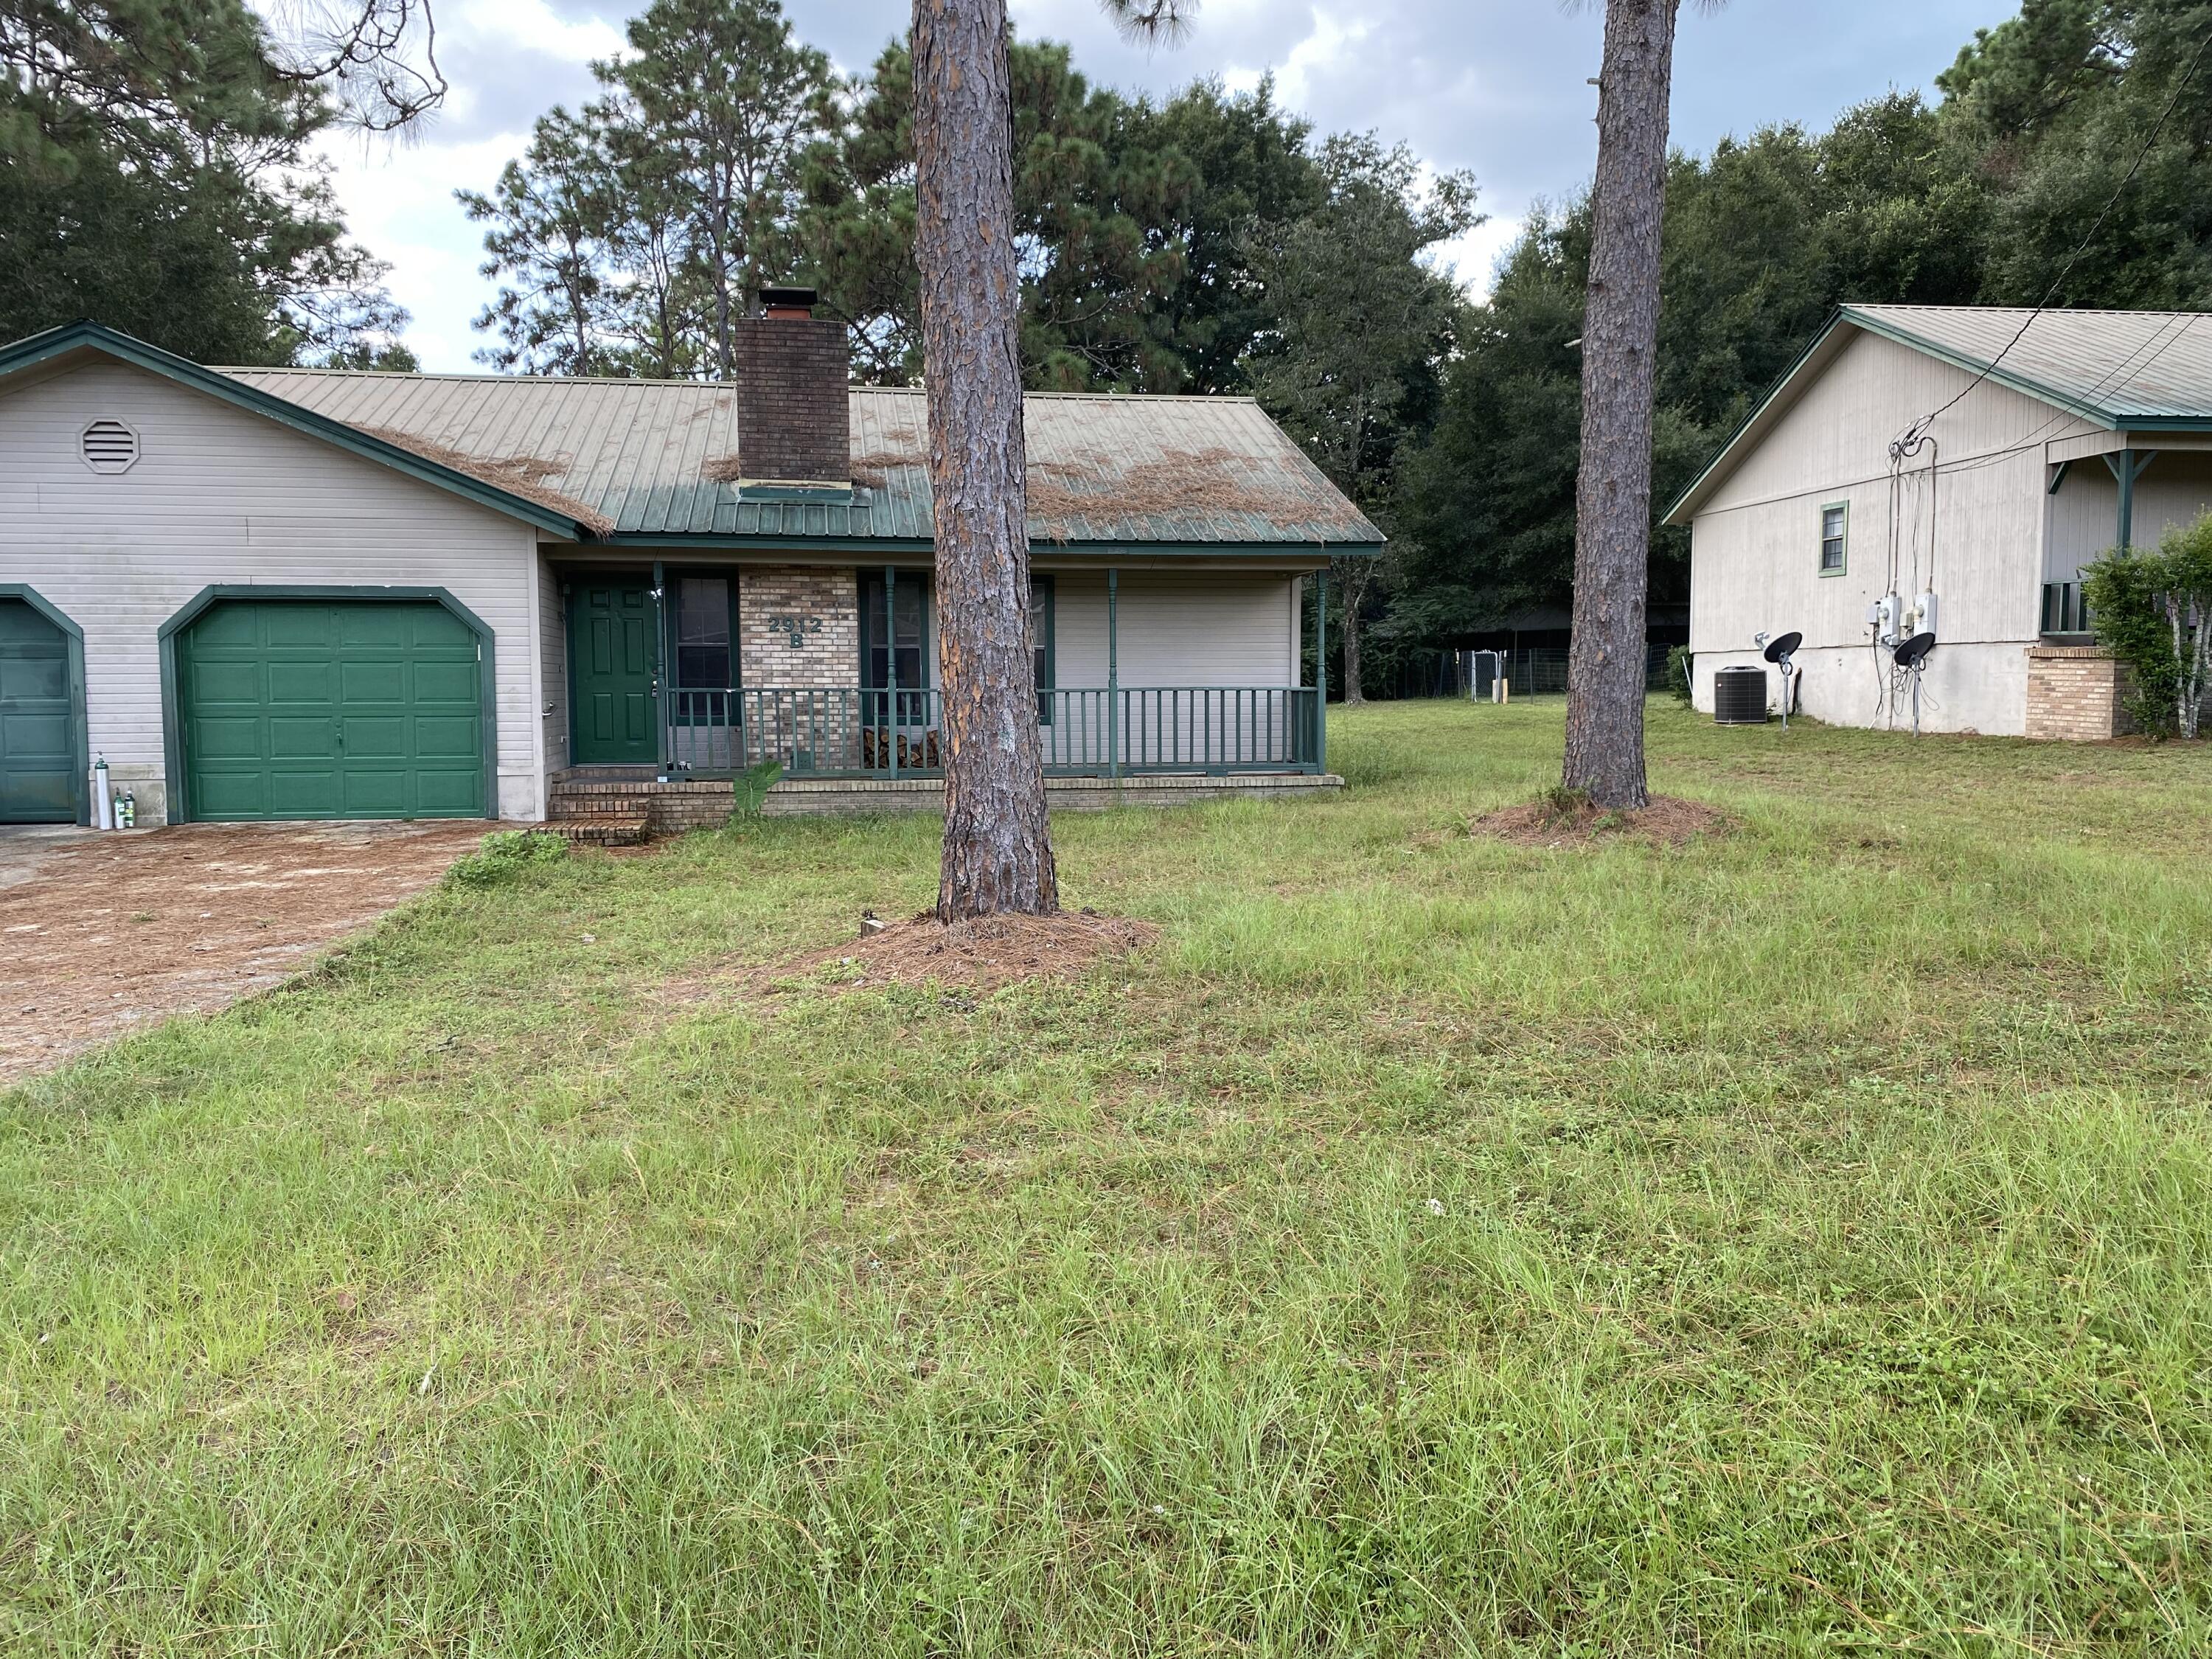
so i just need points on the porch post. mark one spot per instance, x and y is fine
(2127, 466)
(663, 660)
(890, 736)
(2127, 497)
(1321, 670)
(1113, 673)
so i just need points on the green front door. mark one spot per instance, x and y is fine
(38, 719)
(614, 646)
(353, 708)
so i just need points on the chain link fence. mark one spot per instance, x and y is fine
(1535, 672)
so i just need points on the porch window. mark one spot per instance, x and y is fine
(1835, 518)
(703, 661)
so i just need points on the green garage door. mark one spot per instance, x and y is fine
(38, 719)
(342, 709)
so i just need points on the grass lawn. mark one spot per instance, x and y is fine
(1800, 1242)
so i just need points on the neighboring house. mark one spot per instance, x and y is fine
(294, 593)
(2060, 435)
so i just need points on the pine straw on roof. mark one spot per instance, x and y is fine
(1179, 481)
(868, 470)
(517, 475)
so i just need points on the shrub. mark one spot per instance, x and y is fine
(505, 856)
(2153, 612)
(1678, 664)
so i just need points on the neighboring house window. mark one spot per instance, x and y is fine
(1040, 643)
(703, 634)
(1835, 518)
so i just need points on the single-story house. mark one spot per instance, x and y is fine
(297, 594)
(2056, 435)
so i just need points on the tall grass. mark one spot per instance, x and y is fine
(1799, 1242)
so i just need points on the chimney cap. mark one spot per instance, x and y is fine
(778, 300)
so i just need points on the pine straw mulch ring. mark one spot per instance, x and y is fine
(1562, 817)
(985, 954)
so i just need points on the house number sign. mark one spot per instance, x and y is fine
(793, 628)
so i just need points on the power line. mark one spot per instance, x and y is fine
(2158, 348)
(1919, 427)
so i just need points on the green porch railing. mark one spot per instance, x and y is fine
(826, 731)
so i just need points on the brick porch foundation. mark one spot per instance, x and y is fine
(2074, 693)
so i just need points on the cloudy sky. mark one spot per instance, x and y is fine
(1498, 86)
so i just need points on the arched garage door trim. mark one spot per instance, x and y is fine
(80, 792)
(172, 748)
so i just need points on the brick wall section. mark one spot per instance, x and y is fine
(794, 411)
(824, 603)
(2074, 693)
(669, 809)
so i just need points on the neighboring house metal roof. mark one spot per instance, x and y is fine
(2115, 369)
(660, 461)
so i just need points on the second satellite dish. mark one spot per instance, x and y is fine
(1778, 650)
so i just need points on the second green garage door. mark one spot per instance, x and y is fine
(351, 709)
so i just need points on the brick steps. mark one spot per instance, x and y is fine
(604, 828)
(624, 811)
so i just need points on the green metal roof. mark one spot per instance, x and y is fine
(2115, 369)
(655, 459)
(2118, 368)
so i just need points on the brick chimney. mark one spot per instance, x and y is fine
(794, 417)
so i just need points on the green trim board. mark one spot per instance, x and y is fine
(877, 549)
(58, 342)
(181, 807)
(73, 637)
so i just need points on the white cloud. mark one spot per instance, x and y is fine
(1473, 258)
(1497, 86)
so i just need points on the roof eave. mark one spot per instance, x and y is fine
(2096, 415)
(925, 545)
(1727, 457)
(38, 349)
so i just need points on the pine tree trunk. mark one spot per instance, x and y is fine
(998, 843)
(1354, 590)
(1621, 335)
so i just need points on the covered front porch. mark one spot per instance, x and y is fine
(693, 672)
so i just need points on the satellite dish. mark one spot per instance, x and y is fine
(1782, 649)
(1914, 652)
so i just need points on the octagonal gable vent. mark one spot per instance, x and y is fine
(110, 446)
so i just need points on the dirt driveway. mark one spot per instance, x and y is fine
(102, 935)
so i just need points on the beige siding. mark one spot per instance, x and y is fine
(2084, 517)
(1977, 538)
(222, 496)
(1202, 629)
